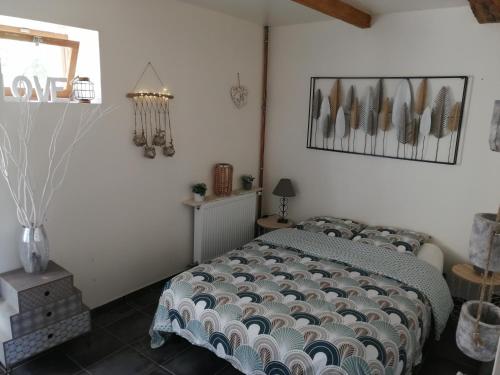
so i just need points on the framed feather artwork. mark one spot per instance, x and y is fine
(407, 118)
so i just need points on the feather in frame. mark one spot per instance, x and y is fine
(341, 130)
(316, 107)
(454, 119)
(407, 131)
(349, 99)
(366, 114)
(327, 126)
(425, 122)
(441, 113)
(421, 97)
(425, 127)
(453, 122)
(379, 96)
(384, 121)
(325, 118)
(335, 98)
(354, 121)
(402, 97)
(384, 118)
(402, 127)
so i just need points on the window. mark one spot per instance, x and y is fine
(42, 50)
(37, 53)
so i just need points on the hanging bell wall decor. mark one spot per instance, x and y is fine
(152, 124)
(159, 139)
(139, 139)
(149, 152)
(169, 150)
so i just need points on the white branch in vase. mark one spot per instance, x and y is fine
(32, 206)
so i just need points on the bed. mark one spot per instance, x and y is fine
(298, 302)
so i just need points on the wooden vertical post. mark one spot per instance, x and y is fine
(263, 118)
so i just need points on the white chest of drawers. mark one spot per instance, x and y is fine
(38, 312)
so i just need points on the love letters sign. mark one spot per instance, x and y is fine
(22, 89)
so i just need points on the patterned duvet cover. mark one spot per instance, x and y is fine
(272, 308)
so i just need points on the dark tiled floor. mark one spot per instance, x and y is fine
(119, 345)
(444, 358)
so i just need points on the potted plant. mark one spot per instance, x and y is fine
(199, 190)
(247, 181)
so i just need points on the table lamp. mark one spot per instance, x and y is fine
(284, 190)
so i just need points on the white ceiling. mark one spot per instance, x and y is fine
(286, 12)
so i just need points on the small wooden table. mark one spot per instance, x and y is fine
(269, 223)
(465, 272)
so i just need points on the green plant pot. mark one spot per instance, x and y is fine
(198, 197)
(247, 185)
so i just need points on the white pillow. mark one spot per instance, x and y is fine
(432, 254)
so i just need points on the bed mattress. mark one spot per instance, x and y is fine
(293, 302)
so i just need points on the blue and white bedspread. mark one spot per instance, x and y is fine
(294, 302)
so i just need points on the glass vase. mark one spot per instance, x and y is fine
(34, 249)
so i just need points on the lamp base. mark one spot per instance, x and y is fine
(283, 210)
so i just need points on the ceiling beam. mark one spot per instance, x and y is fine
(340, 10)
(486, 11)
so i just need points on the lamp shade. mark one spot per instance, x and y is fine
(284, 188)
(480, 240)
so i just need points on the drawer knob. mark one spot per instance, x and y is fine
(47, 293)
(50, 335)
(49, 314)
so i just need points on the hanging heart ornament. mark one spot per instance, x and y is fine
(239, 94)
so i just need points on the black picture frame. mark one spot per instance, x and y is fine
(314, 83)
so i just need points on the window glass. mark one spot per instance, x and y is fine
(30, 59)
(62, 52)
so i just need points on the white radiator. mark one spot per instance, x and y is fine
(223, 224)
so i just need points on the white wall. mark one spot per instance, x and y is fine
(436, 199)
(118, 223)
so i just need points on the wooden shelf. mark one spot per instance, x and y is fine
(214, 198)
(271, 222)
(466, 272)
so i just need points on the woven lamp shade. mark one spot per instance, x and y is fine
(223, 179)
(284, 188)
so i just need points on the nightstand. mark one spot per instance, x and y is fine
(465, 285)
(38, 312)
(269, 223)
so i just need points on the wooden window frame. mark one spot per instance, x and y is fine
(49, 38)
